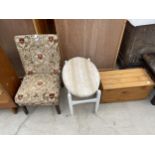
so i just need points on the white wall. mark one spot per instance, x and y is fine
(139, 22)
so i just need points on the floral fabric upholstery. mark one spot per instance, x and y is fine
(38, 89)
(39, 53)
(40, 57)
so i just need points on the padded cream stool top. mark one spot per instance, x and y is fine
(81, 77)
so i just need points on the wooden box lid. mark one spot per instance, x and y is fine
(125, 78)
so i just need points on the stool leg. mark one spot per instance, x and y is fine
(97, 100)
(70, 103)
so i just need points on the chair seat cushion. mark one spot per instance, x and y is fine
(38, 89)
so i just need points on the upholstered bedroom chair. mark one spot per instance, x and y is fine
(40, 57)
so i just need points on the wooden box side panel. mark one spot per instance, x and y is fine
(125, 94)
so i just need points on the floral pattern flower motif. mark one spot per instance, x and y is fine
(50, 39)
(56, 71)
(30, 72)
(40, 56)
(20, 96)
(51, 95)
(39, 83)
(21, 40)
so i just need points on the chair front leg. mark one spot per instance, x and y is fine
(25, 110)
(57, 107)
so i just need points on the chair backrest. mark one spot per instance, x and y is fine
(39, 53)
